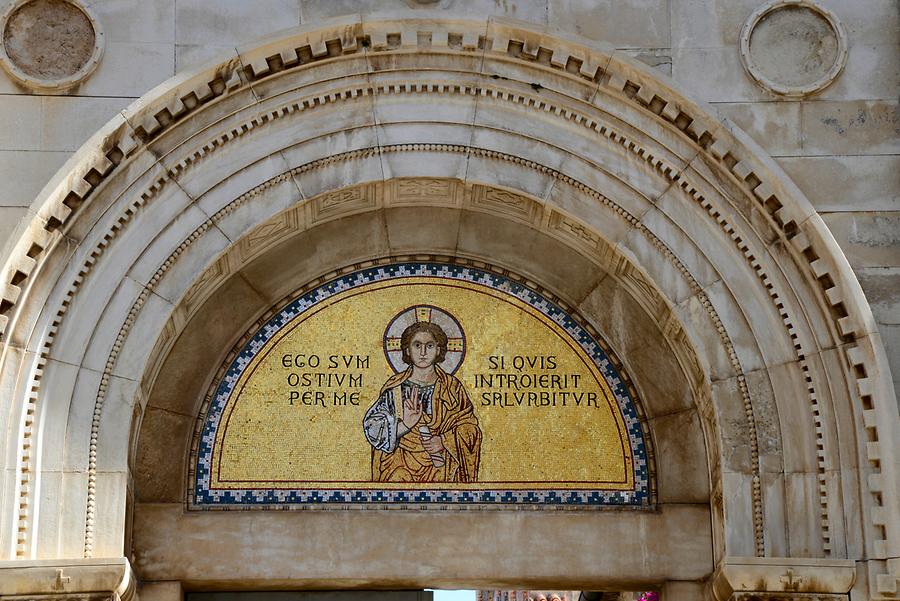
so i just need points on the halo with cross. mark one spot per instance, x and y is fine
(456, 338)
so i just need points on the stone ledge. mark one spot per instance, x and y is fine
(738, 575)
(110, 579)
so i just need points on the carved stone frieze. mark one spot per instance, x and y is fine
(514, 206)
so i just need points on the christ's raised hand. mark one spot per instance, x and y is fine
(412, 409)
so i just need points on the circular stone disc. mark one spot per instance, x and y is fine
(49, 39)
(794, 46)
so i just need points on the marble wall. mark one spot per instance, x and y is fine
(840, 146)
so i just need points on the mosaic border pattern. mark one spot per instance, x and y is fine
(204, 496)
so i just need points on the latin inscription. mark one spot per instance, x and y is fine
(334, 380)
(528, 381)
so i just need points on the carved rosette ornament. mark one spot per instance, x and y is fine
(793, 48)
(49, 45)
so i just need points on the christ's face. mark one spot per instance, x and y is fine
(423, 350)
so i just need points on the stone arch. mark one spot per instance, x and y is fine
(244, 270)
(613, 156)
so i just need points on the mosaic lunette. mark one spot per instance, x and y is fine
(518, 405)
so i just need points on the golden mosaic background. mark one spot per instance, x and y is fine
(264, 441)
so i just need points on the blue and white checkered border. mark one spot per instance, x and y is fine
(204, 496)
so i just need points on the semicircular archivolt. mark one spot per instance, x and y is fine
(636, 90)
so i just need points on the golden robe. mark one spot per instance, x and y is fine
(453, 419)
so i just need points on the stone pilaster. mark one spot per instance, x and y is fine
(68, 579)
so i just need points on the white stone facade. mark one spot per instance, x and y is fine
(755, 239)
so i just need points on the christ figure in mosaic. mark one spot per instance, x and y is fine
(423, 427)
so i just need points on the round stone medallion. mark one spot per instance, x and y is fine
(793, 48)
(49, 44)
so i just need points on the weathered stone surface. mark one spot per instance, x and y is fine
(871, 73)
(738, 505)
(278, 538)
(882, 287)
(661, 60)
(772, 486)
(69, 121)
(709, 23)
(113, 440)
(868, 239)
(9, 219)
(315, 253)
(136, 21)
(20, 123)
(792, 413)
(684, 591)
(81, 347)
(405, 234)
(847, 183)
(874, 21)
(156, 463)
(61, 381)
(715, 74)
(534, 11)
(641, 24)
(216, 328)
(734, 429)
(191, 56)
(680, 452)
(852, 127)
(774, 125)
(488, 237)
(635, 336)
(891, 336)
(24, 174)
(802, 509)
(232, 21)
(161, 591)
(128, 69)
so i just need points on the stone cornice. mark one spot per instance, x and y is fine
(85, 579)
(797, 578)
